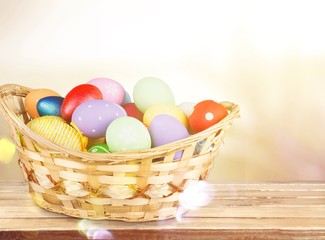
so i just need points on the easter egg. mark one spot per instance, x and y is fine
(58, 131)
(93, 117)
(127, 98)
(33, 97)
(127, 133)
(99, 148)
(149, 91)
(76, 96)
(187, 107)
(165, 129)
(133, 111)
(112, 90)
(206, 113)
(169, 109)
(49, 106)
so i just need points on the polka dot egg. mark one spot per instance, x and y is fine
(205, 114)
(112, 90)
(93, 117)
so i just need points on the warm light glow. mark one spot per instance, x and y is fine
(99, 234)
(7, 150)
(89, 230)
(267, 56)
(196, 195)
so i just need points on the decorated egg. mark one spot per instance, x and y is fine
(127, 98)
(165, 129)
(169, 109)
(99, 148)
(93, 117)
(56, 130)
(112, 90)
(50, 106)
(206, 113)
(76, 96)
(133, 111)
(187, 107)
(127, 133)
(33, 97)
(149, 91)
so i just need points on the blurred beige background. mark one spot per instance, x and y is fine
(267, 56)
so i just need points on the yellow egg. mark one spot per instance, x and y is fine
(33, 97)
(168, 109)
(56, 130)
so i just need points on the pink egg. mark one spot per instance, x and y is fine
(93, 117)
(112, 90)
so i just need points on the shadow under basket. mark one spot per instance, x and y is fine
(132, 186)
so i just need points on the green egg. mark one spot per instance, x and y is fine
(99, 148)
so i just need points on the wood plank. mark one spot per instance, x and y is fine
(170, 234)
(185, 223)
(213, 229)
(302, 211)
(259, 212)
(236, 211)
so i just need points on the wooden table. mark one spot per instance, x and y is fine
(236, 211)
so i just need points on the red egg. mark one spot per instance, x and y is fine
(206, 114)
(76, 96)
(133, 111)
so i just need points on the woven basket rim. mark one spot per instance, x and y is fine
(12, 118)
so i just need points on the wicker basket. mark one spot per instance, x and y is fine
(130, 186)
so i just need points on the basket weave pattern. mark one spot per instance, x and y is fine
(130, 186)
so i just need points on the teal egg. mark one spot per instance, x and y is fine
(49, 106)
(99, 148)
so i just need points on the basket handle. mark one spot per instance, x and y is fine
(6, 91)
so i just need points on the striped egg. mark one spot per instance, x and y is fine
(56, 130)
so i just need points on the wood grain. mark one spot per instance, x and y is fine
(236, 211)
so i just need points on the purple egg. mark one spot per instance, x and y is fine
(93, 117)
(164, 129)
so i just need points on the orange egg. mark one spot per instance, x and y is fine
(33, 97)
(206, 114)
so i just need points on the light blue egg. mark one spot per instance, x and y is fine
(49, 106)
(127, 98)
